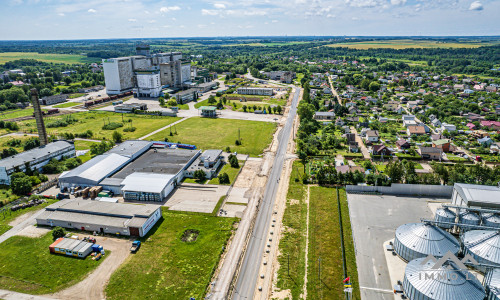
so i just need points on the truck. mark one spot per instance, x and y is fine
(135, 246)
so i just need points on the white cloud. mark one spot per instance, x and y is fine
(330, 16)
(16, 2)
(364, 3)
(152, 21)
(220, 5)
(398, 2)
(274, 21)
(92, 11)
(132, 20)
(476, 5)
(61, 14)
(209, 12)
(202, 25)
(166, 9)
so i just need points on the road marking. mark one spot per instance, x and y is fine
(377, 290)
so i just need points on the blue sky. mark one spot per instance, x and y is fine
(86, 19)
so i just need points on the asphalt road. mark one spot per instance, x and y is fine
(245, 285)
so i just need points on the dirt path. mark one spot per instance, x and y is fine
(92, 287)
(304, 295)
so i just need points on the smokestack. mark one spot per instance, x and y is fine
(40, 126)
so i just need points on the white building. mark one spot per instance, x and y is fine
(118, 75)
(255, 91)
(148, 84)
(409, 120)
(449, 127)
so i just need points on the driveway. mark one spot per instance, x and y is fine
(364, 150)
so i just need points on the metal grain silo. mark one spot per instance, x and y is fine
(491, 220)
(415, 240)
(468, 217)
(448, 282)
(483, 245)
(445, 215)
(492, 284)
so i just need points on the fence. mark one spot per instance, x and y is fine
(405, 189)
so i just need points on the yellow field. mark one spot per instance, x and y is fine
(406, 44)
(45, 57)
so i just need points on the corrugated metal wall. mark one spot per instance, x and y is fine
(405, 189)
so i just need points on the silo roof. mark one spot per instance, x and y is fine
(483, 243)
(492, 281)
(427, 239)
(452, 284)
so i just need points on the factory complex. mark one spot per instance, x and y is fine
(142, 170)
(445, 255)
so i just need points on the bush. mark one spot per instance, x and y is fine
(58, 232)
(112, 126)
(237, 142)
(117, 137)
(199, 175)
(129, 129)
(172, 102)
(223, 178)
(233, 161)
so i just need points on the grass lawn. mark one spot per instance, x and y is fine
(6, 196)
(18, 113)
(324, 243)
(5, 139)
(7, 216)
(293, 242)
(231, 172)
(76, 95)
(221, 133)
(46, 57)
(84, 145)
(28, 266)
(94, 120)
(168, 268)
(202, 103)
(67, 104)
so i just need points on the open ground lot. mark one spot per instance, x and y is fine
(45, 57)
(202, 198)
(170, 267)
(221, 133)
(95, 120)
(405, 44)
(374, 220)
(10, 218)
(28, 267)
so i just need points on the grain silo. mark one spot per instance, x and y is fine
(468, 217)
(415, 240)
(444, 214)
(492, 284)
(491, 220)
(483, 245)
(448, 282)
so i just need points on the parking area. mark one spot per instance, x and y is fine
(374, 219)
(196, 197)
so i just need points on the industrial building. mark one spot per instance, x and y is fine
(138, 170)
(206, 86)
(54, 99)
(283, 76)
(255, 91)
(35, 159)
(472, 195)
(130, 107)
(483, 246)
(142, 71)
(209, 162)
(186, 96)
(492, 284)
(102, 217)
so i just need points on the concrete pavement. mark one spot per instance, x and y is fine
(364, 150)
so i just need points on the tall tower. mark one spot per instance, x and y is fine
(40, 126)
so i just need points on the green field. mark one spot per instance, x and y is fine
(221, 133)
(76, 95)
(5, 139)
(8, 216)
(50, 58)
(67, 104)
(168, 268)
(6, 196)
(231, 172)
(84, 145)
(406, 44)
(94, 121)
(18, 113)
(324, 244)
(28, 266)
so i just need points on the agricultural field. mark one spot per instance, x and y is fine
(220, 134)
(67, 104)
(406, 44)
(45, 57)
(95, 120)
(28, 266)
(176, 260)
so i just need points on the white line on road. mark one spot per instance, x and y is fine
(377, 290)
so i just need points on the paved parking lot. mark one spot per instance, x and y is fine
(374, 219)
(196, 197)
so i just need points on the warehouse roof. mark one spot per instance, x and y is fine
(146, 182)
(211, 155)
(97, 168)
(478, 195)
(130, 148)
(36, 153)
(121, 210)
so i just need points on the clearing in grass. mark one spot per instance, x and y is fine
(221, 133)
(28, 266)
(169, 266)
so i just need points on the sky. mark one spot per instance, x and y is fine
(93, 19)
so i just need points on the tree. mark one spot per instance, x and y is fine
(244, 108)
(233, 160)
(199, 175)
(162, 101)
(374, 86)
(223, 178)
(20, 183)
(117, 137)
(279, 109)
(58, 232)
(45, 92)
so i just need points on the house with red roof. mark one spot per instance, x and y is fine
(494, 125)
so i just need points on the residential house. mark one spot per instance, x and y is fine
(353, 110)
(402, 144)
(372, 136)
(471, 126)
(324, 115)
(436, 123)
(339, 122)
(442, 144)
(492, 125)
(409, 120)
(381, 150)
(485, 141)
(349, 104)
(415, 130)
(429, 152)
(449, 127)
(495, 148)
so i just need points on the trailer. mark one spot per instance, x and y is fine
(53, 111)
(54, 244)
